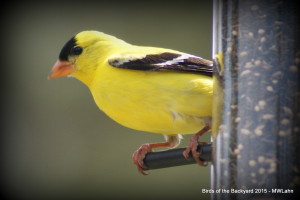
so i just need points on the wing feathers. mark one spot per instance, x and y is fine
(165, 61)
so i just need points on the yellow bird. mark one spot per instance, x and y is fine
(149, 89)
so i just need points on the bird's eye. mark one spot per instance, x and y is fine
(76, 50)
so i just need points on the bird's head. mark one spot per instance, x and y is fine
(82, 54)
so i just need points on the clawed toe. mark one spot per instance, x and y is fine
(195, 154)
(192, 148)
(138, 158)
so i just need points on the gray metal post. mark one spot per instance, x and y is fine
(256, 126)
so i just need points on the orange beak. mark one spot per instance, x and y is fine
(60, 69)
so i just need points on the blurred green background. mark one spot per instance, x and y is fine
(56, 143)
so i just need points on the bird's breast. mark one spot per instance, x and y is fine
(158, 102)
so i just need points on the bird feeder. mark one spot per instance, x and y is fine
(256, 116)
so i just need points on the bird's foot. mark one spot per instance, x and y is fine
(192, 148)
(138, 157)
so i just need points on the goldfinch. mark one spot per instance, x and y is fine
(149, 89)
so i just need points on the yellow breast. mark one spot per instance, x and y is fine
(159, 102)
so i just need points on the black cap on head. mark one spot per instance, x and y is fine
(65, 52)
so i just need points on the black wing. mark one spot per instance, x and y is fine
(166, 61)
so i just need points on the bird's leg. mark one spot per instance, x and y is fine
(194, 144)
(139, 155)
